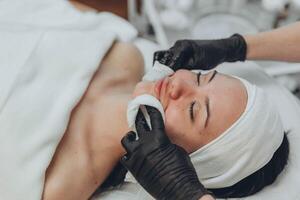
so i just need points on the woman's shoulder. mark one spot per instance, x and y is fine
(120, 70)
(122, 61)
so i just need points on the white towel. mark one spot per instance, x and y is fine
(48, 54)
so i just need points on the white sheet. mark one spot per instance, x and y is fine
(287, 184)
(48, 54)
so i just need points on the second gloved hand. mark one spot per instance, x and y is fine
(203, 54)
(162, 168)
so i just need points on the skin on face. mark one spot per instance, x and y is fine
(217, 101)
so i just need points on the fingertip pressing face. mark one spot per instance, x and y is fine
(198, 108)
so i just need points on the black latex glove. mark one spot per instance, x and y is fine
(203, 54)
(162, 168)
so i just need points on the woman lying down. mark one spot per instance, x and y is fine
(232, 132)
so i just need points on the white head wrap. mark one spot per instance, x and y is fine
(245, 147)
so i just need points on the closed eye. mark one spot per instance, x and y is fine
(192, 111)
(207, 102)
(191, 108)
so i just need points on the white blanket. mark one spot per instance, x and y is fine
(48, 54)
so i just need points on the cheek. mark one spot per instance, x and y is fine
(174, 124)
(179, 130)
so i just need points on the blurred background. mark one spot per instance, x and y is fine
(165, 21)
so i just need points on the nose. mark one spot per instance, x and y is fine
(178, 88)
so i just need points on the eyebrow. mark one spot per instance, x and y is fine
(213, 76)
(207, 102)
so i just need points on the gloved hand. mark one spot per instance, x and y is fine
(203, 54)
(162, 168)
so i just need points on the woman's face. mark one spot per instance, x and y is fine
(197, 110)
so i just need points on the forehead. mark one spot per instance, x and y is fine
(228, 99)
(228, 84)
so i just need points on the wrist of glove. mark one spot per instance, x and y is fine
(203, 54)
(236, 48)
(163, 169)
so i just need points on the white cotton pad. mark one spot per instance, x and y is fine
(158, 71)
(142, 100)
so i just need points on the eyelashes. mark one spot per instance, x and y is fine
(191, 110)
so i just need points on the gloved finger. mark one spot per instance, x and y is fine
(181, 56)
(166, 58)
(131, 163)
(141, 123)
(129, 142)
(158, 55)
(156, 119)
(125, 161)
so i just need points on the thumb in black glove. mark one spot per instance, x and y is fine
(203, 54)
(162, 168)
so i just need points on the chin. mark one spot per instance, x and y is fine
(144, 87)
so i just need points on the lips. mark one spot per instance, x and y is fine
(158, 86)
(160, 91)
